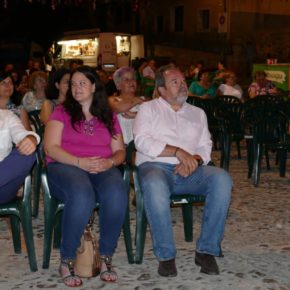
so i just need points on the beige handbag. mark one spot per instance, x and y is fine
(88, 261)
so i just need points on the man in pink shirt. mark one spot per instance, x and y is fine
(173, 149)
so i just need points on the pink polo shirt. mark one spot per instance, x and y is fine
(90, 139)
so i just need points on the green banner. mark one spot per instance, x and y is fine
(278, 74)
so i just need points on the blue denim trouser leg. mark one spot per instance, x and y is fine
(79, 191)
(13, 170)
(158, 182)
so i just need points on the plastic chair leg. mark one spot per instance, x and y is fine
(187, 222)
(250, 157)
(257, 164)
(36, 189)
(49, 213)
(282, 157)
(141, 225)
(141, 221)
(15, 228)
(267, 159)
(127, 237)
(25, 214)
(225, 152)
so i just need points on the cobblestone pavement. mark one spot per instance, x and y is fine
(256, 245)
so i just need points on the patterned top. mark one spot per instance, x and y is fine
(254, 88)
(31, 103)
(91, 138)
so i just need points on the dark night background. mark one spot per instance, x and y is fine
(44, 21)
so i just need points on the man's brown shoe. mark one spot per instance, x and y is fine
(167, 268)
(207, 262)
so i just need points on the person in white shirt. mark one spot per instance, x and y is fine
(173, 149)
(15, 163)
(230, 87)
(126, 104)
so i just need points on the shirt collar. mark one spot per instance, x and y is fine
(165, 103)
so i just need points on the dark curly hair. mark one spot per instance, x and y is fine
(99, 107)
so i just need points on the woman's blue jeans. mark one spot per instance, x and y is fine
(13, 170)
(158, 182)
(79, 191)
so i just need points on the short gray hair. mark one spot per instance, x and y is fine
(159, 76)
(117, 76)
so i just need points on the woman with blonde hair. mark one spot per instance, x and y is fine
(34, 98)
(230, 87)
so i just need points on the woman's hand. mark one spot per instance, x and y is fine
(27, 145)
(95, 164)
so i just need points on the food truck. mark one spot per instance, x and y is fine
(106, 50)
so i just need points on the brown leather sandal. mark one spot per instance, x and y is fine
(67, 273)
(107, 273)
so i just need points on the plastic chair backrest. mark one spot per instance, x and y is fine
(35, 120)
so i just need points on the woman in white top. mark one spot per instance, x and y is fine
(9, 99)
(126, 104)
(15, 163)
(230, 87)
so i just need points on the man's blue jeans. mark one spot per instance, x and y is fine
(79, 191)
(158, 182)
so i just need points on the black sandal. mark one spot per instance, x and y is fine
(71, 279)
(108, 275)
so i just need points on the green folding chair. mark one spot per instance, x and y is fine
(19, 211)
(52, 214)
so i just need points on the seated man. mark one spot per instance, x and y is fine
(173, 148)
(15, 164)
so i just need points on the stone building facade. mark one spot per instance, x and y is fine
(239, 32)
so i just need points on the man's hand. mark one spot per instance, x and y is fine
(187, 165)
(27, 145)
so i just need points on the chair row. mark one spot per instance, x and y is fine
(20, 210)
(263, 122)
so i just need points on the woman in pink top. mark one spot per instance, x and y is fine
(84, 144)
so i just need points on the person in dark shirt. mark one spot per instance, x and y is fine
(108, 83)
